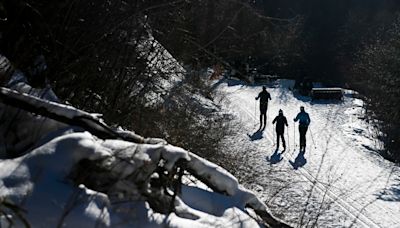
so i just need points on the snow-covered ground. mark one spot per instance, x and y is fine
(38, 183)
(64, 176)
(340, 181)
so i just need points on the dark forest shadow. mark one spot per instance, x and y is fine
(299, 161)
(275, 158)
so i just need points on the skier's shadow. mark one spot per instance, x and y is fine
(299, 161)
(256, 135)
(275, 158)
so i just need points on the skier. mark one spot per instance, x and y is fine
(304, 121)
(264, 96)
(280, 128)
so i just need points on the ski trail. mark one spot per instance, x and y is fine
(329, 168)
(348, 207)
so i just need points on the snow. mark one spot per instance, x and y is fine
(162, 68)
(18, 82)
(341, 169)
(340, 180)
(23, 129)
(40, 174)
(43, 180)
(38, 182)
(224, 182)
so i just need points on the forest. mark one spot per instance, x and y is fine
(91, 51)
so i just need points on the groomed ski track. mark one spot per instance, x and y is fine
(339, 168)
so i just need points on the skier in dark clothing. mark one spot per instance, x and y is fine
(280, 128)
(264, 96)
(304, 121)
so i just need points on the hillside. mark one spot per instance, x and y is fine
(79, 172)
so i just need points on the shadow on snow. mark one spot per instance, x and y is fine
(391, 193)
(275, 158)
(299, 161)
(256, 135)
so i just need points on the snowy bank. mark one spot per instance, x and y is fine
(77, 171)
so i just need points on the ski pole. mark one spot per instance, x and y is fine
(255, 112)
(274, 142)
(294, 136)
(288, 141)
(312, 137)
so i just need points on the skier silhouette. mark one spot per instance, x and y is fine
(304, 121)
(281, 121)
(264, 96)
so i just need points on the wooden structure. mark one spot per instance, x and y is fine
(327, 93)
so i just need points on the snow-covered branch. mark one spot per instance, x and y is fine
(69, 115)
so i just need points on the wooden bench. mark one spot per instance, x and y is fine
(327, 93)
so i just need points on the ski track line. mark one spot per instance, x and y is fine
(348, 207)
(345, 143)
